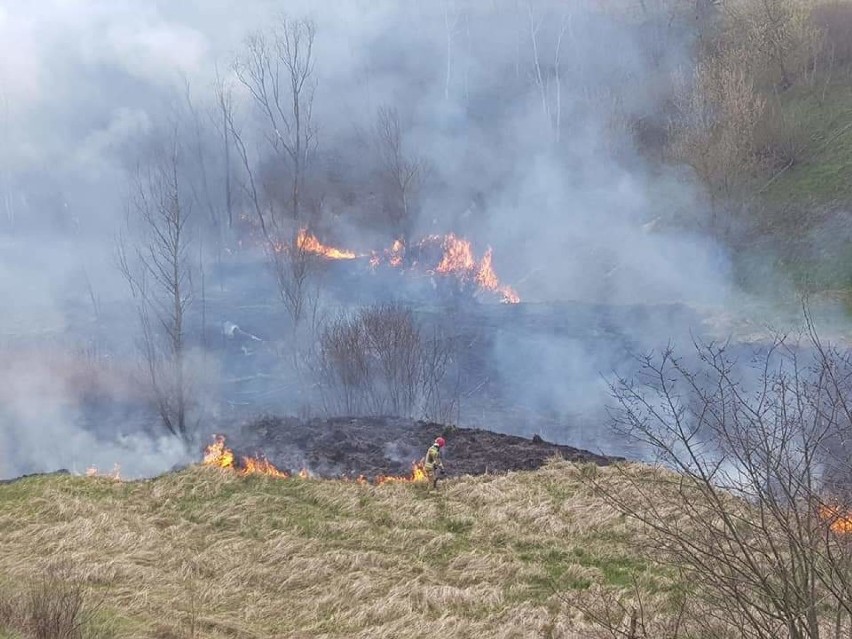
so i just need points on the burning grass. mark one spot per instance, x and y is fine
(455, 258)
(225, 555)
(218, 455)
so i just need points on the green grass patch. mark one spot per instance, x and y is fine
(822, 116)
(618, 570)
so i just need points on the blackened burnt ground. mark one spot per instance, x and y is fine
(372, 446)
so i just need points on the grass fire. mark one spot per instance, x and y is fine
(371, 319)
(448, 256)
(218, 455)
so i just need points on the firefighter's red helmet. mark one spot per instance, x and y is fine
(440, 441)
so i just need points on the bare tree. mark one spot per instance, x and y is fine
(296, 272)
(223, 118)
(292, 265)
(750, 515)
(157, 270)
(548, 78)
(403, 172)
(452, 18)
(278, 71)
(202, 193)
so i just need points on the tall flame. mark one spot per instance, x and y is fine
(220, 456)
(457, 260)
(216, 454)
(487, 279)
(457, 257)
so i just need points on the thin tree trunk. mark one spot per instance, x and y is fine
(229, 207)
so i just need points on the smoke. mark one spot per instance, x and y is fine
(44, 419)
(526, 114)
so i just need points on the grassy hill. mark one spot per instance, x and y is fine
(206, 554)
(820, 116)
(799, 230)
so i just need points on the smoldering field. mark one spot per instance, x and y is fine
(514, 125)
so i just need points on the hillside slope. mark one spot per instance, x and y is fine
(208, 554)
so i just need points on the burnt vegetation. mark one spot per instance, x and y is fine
(257, 173)
(740, 522)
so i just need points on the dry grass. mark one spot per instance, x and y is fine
(53, 607)
(204, 554)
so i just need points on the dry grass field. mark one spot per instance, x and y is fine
(204, 553)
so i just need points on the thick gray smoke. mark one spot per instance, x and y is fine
(527, 114)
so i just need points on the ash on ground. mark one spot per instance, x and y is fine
(372, 446)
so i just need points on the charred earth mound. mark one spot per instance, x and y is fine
(373, 446)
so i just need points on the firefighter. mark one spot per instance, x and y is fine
(432, 463)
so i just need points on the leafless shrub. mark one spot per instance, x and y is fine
(54, 611)
(440, 389)
(633, 613)
(345, 368)
(379, 362)
(53, 608)
(394, 340)
(762, 480)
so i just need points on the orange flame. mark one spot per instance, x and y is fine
(220, 456)
(216, 454)
(418, 474)
(393, 256)
(92, 471)
(458, 256)
(487, 279)
(397, 251)
(458, 260)
(310, 244)
(840, 521)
